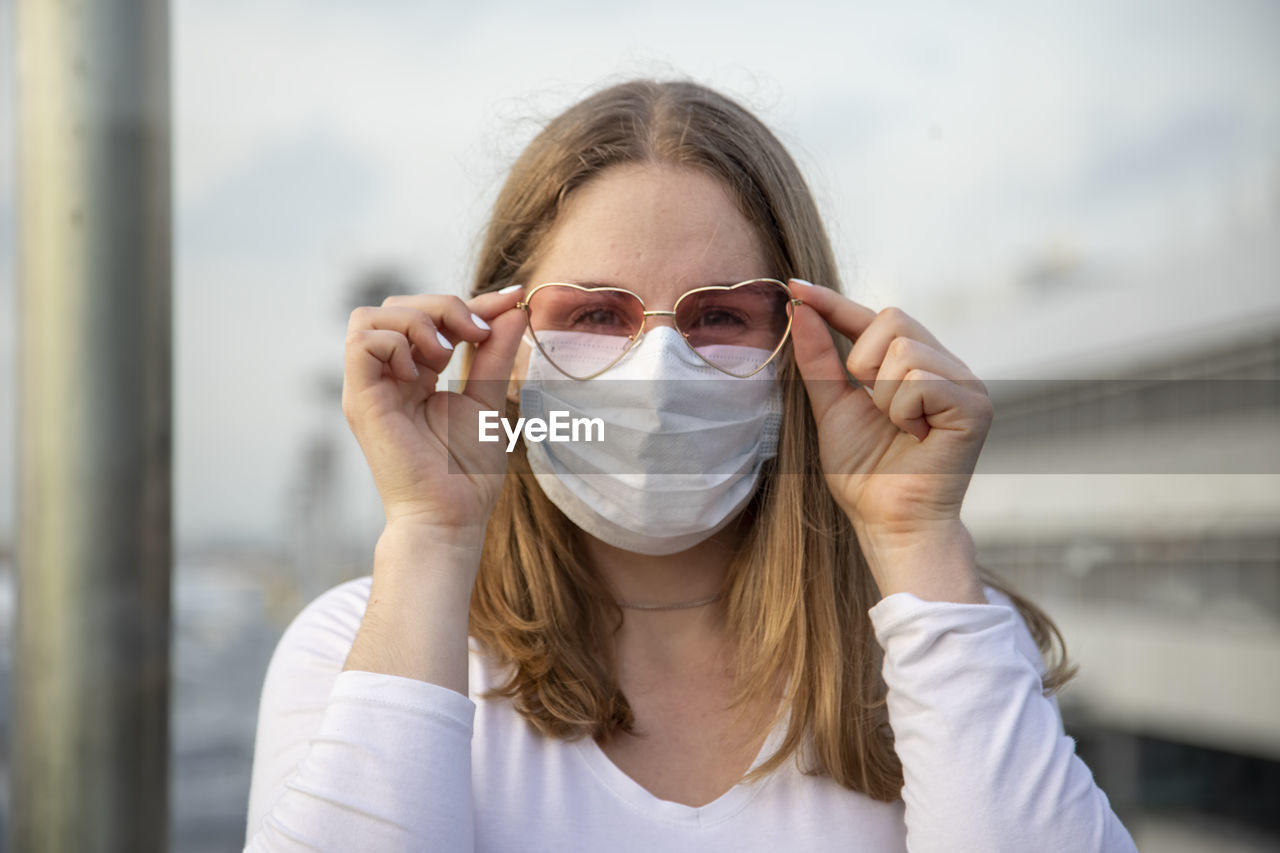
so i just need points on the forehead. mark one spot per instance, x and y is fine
(656, 229)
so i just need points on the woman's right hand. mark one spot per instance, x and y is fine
(422, 444)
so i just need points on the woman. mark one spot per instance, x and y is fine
(748, 619)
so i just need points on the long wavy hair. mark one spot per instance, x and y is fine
(798, 587)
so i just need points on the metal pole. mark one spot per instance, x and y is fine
(91, 674)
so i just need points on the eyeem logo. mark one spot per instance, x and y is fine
(558, 427)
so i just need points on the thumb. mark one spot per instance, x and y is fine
(819, 363)
(491, 368)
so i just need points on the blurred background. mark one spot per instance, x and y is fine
(1081, 200)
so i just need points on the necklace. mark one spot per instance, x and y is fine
(679, 605)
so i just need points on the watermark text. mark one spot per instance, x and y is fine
(558, 426)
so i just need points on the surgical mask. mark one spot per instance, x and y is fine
(683, 442)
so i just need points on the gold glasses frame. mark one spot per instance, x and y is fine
(645, 314)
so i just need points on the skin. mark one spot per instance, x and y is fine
(897, 459)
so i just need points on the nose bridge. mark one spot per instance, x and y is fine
(662, 337)
(665, 318)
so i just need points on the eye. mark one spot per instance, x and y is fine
(719, 317)
(597, 316)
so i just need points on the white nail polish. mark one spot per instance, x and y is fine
(444, 342)
(480, 323)
(805, 283)
(511, 288)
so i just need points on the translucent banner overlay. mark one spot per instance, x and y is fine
(725, 426)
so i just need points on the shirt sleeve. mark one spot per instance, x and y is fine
(986, 764)
(348, 761)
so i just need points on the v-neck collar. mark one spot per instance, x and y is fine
(637, 797)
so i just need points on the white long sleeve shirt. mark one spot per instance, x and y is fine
(352, 761)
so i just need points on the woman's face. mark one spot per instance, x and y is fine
(657, 230)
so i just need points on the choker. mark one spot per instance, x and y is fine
(680, 605)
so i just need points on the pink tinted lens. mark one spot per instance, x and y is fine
(582, 331)
(738, 328)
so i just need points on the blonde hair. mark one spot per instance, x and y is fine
(798, 588)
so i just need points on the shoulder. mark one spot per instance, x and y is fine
(1023, 641)
(300, 677)
(916, 626)
(313, 649)
(315, 645)
(325, 629)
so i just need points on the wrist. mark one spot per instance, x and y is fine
(935, 560)
(448, 543)
(415, 623)
(412, 563)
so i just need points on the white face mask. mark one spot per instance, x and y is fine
(682, 448)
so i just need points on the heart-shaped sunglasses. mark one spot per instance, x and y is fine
(583, 330)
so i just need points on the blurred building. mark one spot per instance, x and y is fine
(1134, 493)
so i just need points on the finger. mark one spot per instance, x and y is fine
(481, 308)
(431, 346)
(449, 314)
(870, 350)
(925, 401)
(905, 355)
(490, 305)
(819, 362)
(491, 368)
(843, 314)
(370, 353)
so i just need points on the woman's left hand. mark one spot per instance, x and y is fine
(898, 460)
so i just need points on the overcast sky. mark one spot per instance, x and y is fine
(959, 151)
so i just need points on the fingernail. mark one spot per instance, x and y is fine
(510, 288)
(444, 342)
(481, 323)
(415, 369)
(805, 283)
